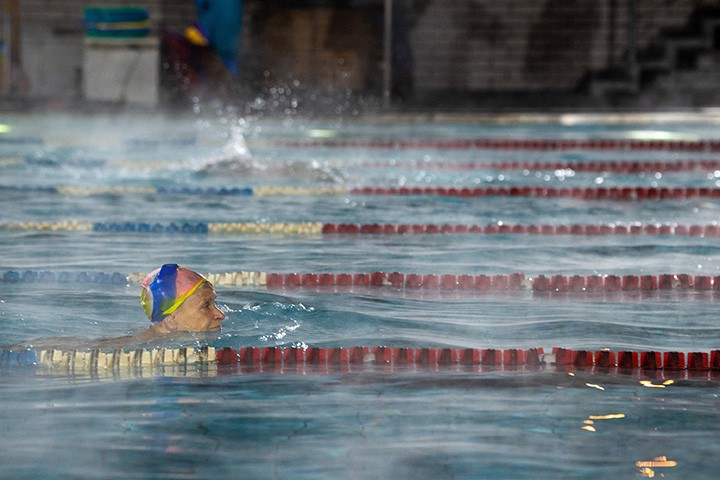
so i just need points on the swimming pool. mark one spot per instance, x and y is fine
(143, 190)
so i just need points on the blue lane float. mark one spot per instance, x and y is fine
(31, 276)
(51, 161)
(204, 191)
(22, 358)
(159, 142)
(248, 192)
(29, 189)
(131, 227)
(21, 140)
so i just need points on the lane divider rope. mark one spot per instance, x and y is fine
(344, 359)
(515, 281)
(456, 144)
(514, 144)
(187, 228)
(597, 166)
(94, 359)
(185, 140)
(591, 166)
(21, 140)
(315, 228)
(584, 193)
(397, 280)
(436, 358)
(222, 191)
(711, 230)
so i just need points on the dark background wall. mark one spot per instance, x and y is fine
(646, 49)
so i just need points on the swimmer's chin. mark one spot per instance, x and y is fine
(211, 328)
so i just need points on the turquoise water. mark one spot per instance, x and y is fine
(201, 421)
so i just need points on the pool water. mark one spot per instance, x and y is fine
(202, 421)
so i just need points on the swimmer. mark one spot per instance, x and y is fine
(175, 299)
(249, 168)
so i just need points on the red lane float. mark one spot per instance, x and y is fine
(493, 229)
(295, 359)
(600, 166)
(514, 144)
(514, 281)
(601, 193)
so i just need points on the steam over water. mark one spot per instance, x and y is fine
(405, 423)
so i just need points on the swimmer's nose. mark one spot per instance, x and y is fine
(219, 315)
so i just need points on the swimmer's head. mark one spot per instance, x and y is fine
(165, 289)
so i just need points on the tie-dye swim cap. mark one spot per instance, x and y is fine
(165, 289)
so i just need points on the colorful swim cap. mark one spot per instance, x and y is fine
(165, 289)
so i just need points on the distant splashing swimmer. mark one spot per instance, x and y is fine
(237, 161)
(245, 166)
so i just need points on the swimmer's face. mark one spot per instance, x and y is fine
(199, 313)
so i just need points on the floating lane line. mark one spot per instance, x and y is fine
(403, 281)
(514, 144)
(592, 166)
(291, 360)
(94, 358)
(59, 226)
(89, 191)
(222, 191)
(710, 230)
(598, 166)
(483, 283)
(436, 358)
(7, 161)
(267, 191)
(525, 144)
(21, 140)
(303, 228)
(331, 229)
(582, 193)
